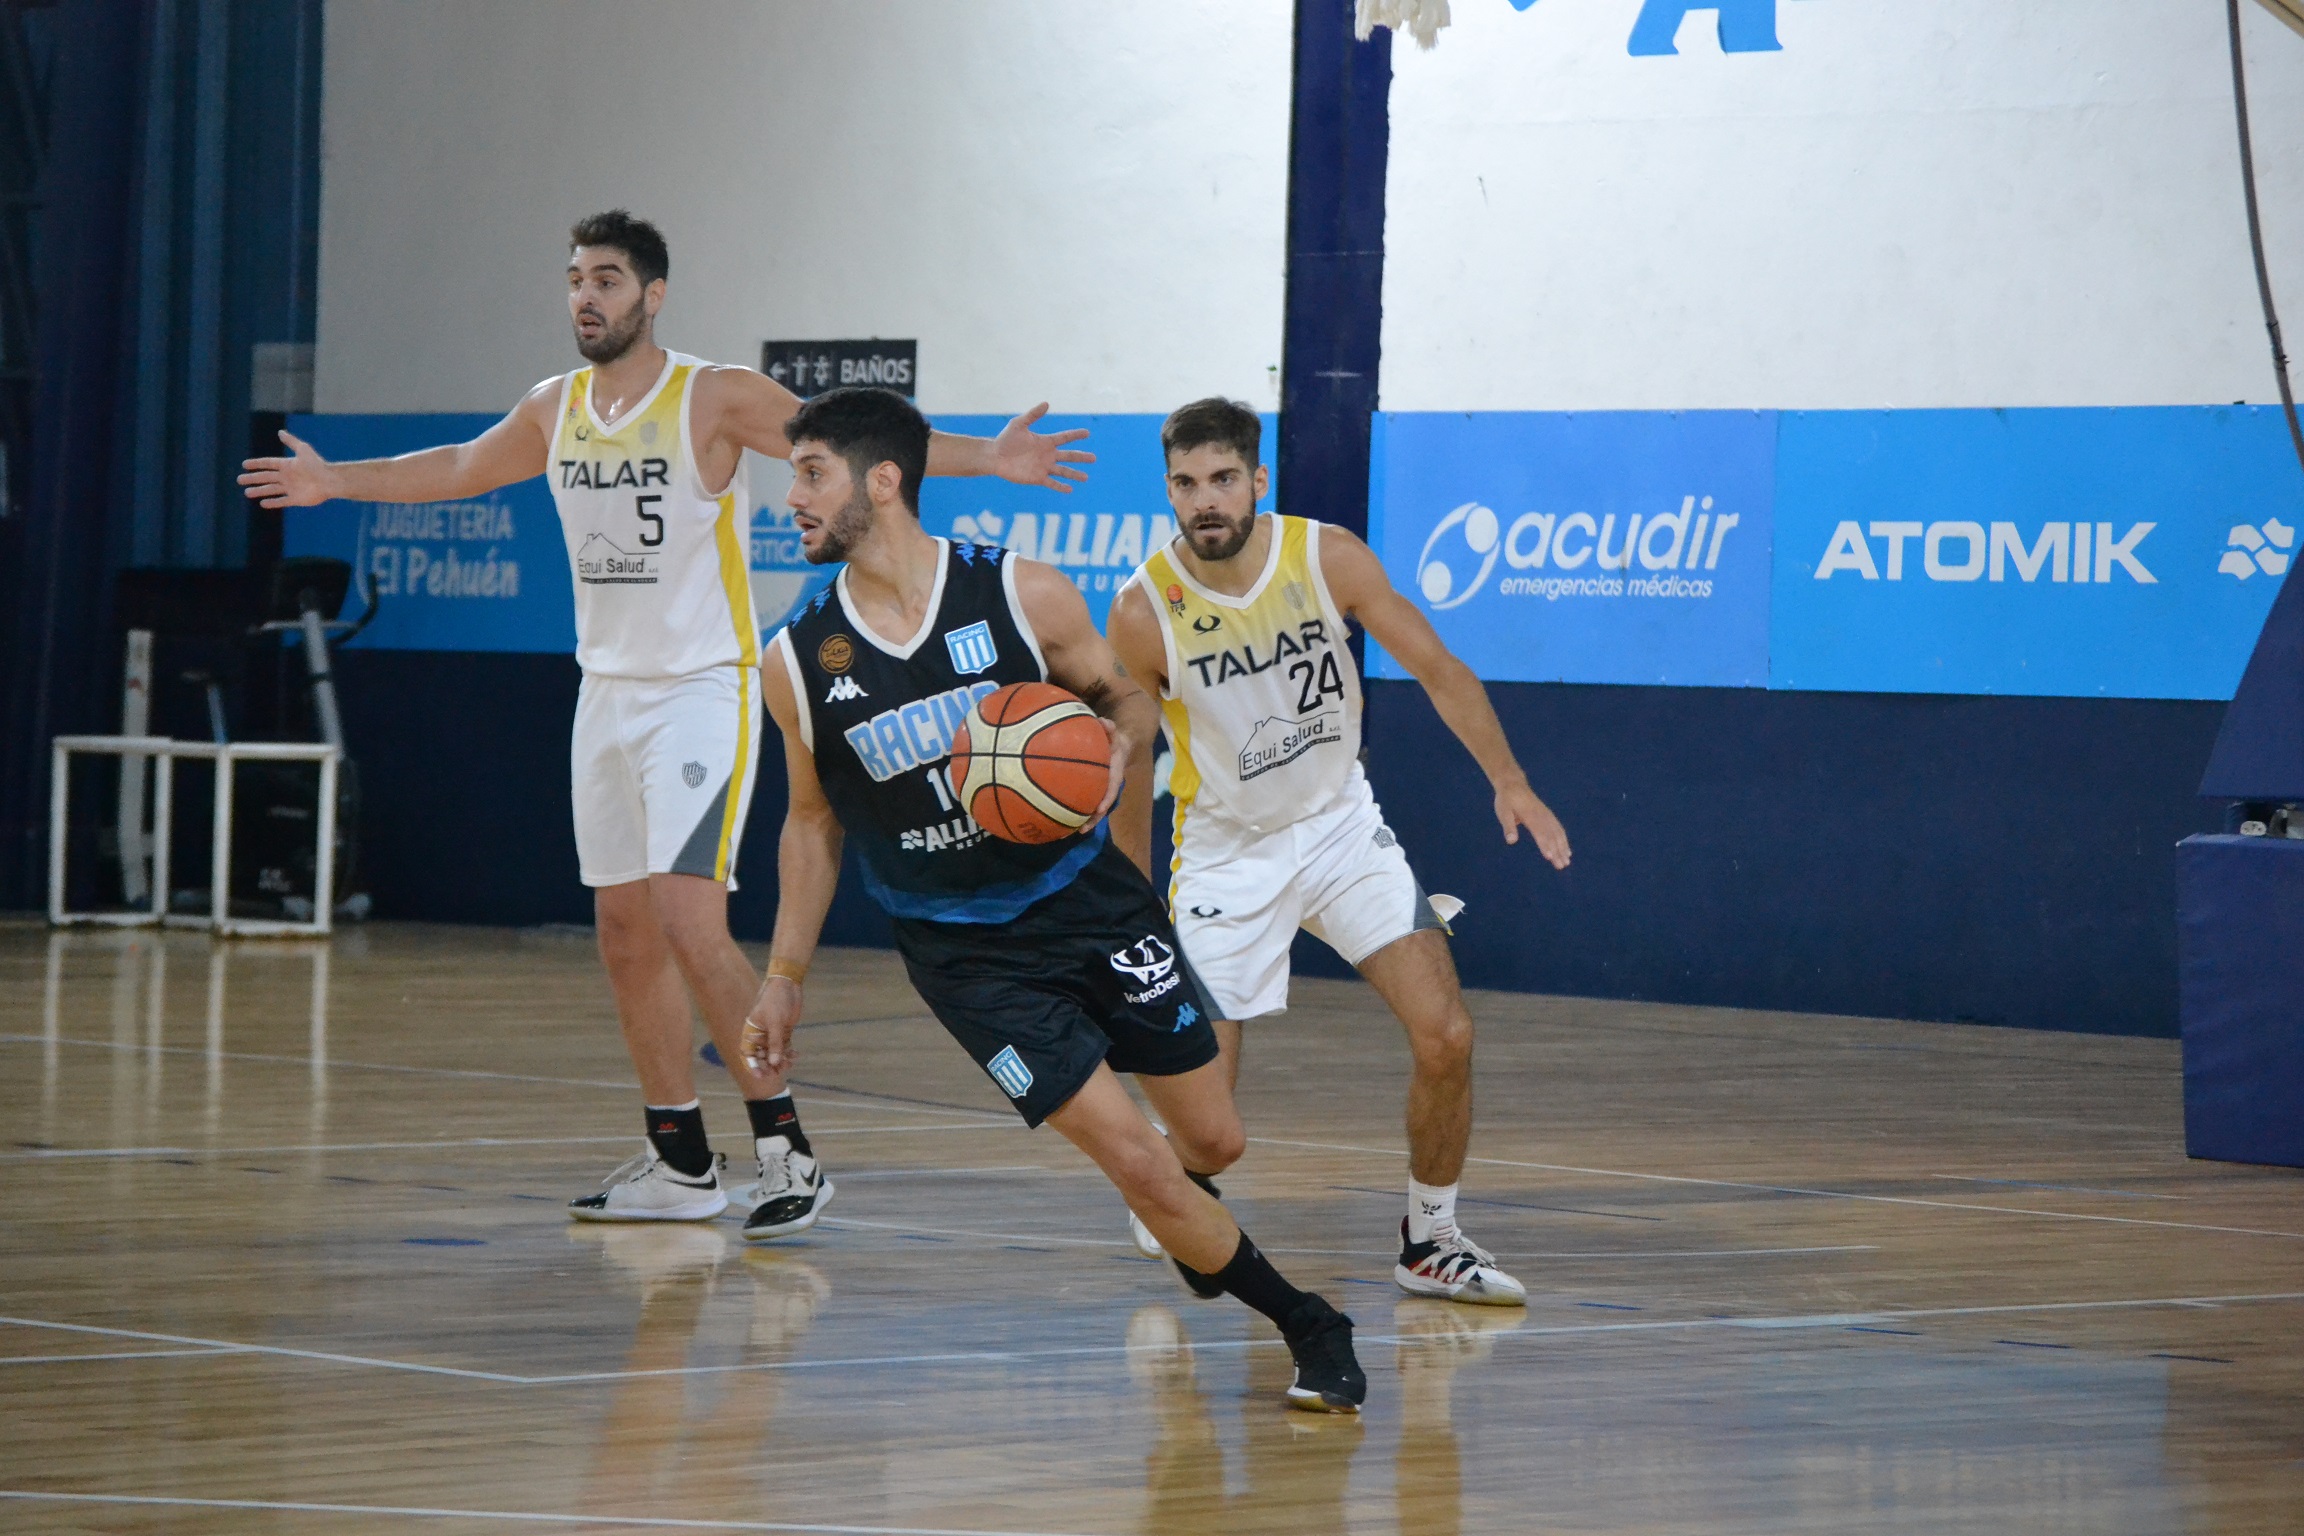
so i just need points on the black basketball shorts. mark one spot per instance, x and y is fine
(1089, 974)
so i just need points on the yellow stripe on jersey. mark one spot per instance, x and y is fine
(736, 581)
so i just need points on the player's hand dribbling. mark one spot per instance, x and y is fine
(1517, 807)
(768, 1027)
(299, 481)
(1025, 457)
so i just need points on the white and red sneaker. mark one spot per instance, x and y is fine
(1454, 1268)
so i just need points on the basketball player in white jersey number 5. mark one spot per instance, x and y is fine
(644, 450)
(1239, 626)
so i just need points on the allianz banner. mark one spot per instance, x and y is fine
(491, 573)
(2116, 552)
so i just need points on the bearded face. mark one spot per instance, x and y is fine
(839, 530)
(603, 336)
(1218, 533)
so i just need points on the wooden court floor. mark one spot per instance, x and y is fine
(281, 1249)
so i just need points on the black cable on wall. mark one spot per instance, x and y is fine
(2256, 231)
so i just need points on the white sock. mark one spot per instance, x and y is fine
(1430, 1206)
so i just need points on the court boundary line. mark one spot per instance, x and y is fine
(1794, 1322)
(1794, 1189)
(67, 1154)
(516, 1516)
(894, 1104)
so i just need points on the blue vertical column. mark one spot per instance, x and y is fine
(1332, 340)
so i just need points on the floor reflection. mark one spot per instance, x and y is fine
(1437, 1339)
(132, 969)
(672, 1437)
(1295, 1467)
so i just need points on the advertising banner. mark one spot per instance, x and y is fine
(1098, 533)
(491, 574)
(488, 574)
(1601, 547)
(2129, 553)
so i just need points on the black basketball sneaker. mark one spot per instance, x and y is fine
(1328, 1374)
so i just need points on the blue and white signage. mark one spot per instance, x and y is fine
(1099, 532)
(491, 574)
(488, 574)
(2131, 553)
(1605, 547)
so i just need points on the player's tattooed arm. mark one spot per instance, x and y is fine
(807, 873)
(1080, 659)
(514, 449)
(1357, 581)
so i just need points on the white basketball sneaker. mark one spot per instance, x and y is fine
(647, 1189)
(1141, 1235)
(1455, 1268)
(789, 1195)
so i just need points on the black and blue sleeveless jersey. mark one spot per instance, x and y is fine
(880, 719)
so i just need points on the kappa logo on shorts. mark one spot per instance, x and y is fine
(972, 648)
(844, 688)
(1009, 1071)
(1186, 1017)
(692, 774)
(1152, 963)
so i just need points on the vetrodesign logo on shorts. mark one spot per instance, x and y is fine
(2258, 549)
(1009, 1071)
(836, 654)
(1153, 963)
(692, 774)
(972, 649)
(1438, 564)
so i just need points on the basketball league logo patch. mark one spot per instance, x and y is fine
(1009, 1071)
(836, 654)
(972, 649)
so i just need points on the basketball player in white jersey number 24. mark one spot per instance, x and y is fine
(644, 453)
(1239, 626)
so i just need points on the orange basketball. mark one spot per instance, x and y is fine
(1031, 763)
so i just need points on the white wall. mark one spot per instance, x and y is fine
(1082, 203)
(1955, 203)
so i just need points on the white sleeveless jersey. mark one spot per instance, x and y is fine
(1262, 704)
(663, 586)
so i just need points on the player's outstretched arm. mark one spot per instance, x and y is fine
(516, 448)
(1357, 581)
(1081, 659)
(750, 410)
(807, 873)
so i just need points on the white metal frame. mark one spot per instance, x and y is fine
(164, 751)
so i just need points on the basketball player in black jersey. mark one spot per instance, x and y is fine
(1054, 965)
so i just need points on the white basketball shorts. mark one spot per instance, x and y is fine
(1338, 874)
(663, 770)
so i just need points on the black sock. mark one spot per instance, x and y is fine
(678, 1137)
(1206, 1182)
(1251, 1277)
(777, 1117)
